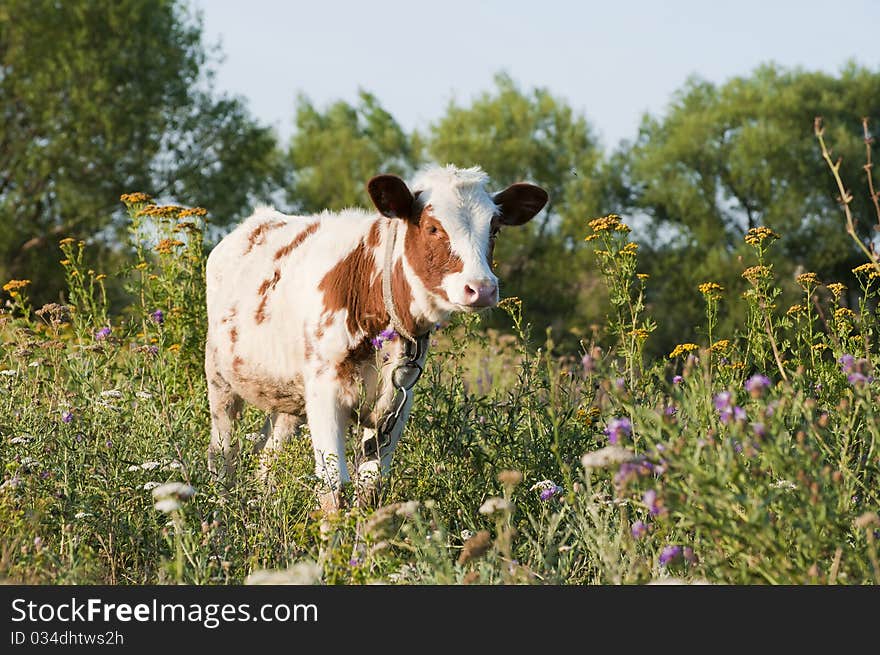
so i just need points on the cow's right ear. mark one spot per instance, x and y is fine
(391, 196)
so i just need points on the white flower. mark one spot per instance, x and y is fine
(12, 483)
(143, 395)
(8, 372)
(176, 490)
(606, 457)
(543, 485)
(783, 484)
(173, 465)
(82, 515)
(134, 467)
(408, 509)
(149, 486)
(253, 436)
(111, 393)
(22, 439)
(496, 504)
(301, 573)
(466, 534)
(149, 466)
(34, 364)
(167, 505)
(29, 462)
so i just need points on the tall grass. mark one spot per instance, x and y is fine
(750, 458)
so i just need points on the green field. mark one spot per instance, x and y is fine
(751, 457)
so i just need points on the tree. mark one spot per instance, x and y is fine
(725, 159)
(100, 98)
(515, 136)
(333, 153)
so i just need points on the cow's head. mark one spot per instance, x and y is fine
(452, 222)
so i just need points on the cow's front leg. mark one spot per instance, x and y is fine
(225, 406)
(328, 417)
(379, 450)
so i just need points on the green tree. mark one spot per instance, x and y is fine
(516, 135)
(334, 152)
(723, 159)
(100, 98)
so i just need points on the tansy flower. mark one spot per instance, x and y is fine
(755, 273)
(759, 234)
(711, 289)
(14, 285)
(720, 346)
(683, 349)
(134, 198)
(842, 313)
(794, 310)
(837, 289)
(807, 279)
(865, 268)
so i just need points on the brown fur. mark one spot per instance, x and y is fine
(284, 251)
(356, 285)
(429, 254)
(233, 335)
(258, 235)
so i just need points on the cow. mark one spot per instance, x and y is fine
(313, 318)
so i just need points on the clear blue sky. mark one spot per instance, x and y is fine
(611, 61)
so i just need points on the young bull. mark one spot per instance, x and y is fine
(296, 305)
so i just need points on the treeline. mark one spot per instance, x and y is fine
(102, 98)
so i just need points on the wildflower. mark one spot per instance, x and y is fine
(669, 554)
(638, 333)
(755, 273)
(711, 290)
(837, 289)
(354, 562)
(639, 529)
(842, 313)
(794, 310)
(510, 478)
(64, 262)
(8, 372)
(134, 198)
(689, 556)
(683, 348)
(66, 417)
(158, 317)
(722, 400)
(642, 276)
(81, 515)
(756, 384)
(588, 364)
(167, 246)
(148, 486)
(174, 347)
(14, 285)
(670, 410)
(66, 241)
(677, 379)
(193, 211)
(630, 248)
(617, 429)
(865, 268)
(653, 503)
(590, 237)
(847, 362)
(609, 223)
(548, 493)
(857, 379)
(496, 505)
(103, 333)
(758, 235)
(166, 505)
(720, 346)
(607, 456)
(806, 280)
(759, 429)
(111, 393)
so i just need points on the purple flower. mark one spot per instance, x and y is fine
(670, 410)
(377, 342)
(620, 383)
(739, 414)
(855, 378)
(677, 379)
(757, 383)
(617, 429)
(153, 350)
(158, 317)
(102, 334)
(353, 562)
(847, 363)
(66, 417)
(722, 400)
(689, 555)
(759, 429)
(639, 529)
(655, 507)
(588, 364)
(548, 492)
(388, 335)
(669, 554)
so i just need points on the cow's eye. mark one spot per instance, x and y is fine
(432, 229)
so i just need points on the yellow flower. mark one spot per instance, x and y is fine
(758, 234)
(794, 310)
(819, 347)
(630, 248)
(642, 276)
(64, 262)
(735, 365)
(591, 237)
(638, 333)
(807, 279)
(837, 289)
(165, 246)
(67, 241)
(865, 268)
(720, 346)
(134, 198)
(711, 289)
(174, 347)
(755, 273)
(610, 223)
(12, 285)
(142, 266)
(842, 313)
(99, 277)
(194, 211)
(682, 349)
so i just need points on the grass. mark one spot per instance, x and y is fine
(751, 458)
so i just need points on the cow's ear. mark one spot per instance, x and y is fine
(519, 203)
(391, 196)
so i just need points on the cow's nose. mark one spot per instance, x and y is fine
(480, 294)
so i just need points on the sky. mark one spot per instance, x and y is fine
(612, 61)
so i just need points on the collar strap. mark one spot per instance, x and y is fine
(390, 242)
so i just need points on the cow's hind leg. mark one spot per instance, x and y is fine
(277, 431)
(225, 406)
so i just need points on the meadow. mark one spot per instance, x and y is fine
(748, 458)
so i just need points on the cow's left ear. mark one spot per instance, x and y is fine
(391, 196)
(519, 203)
